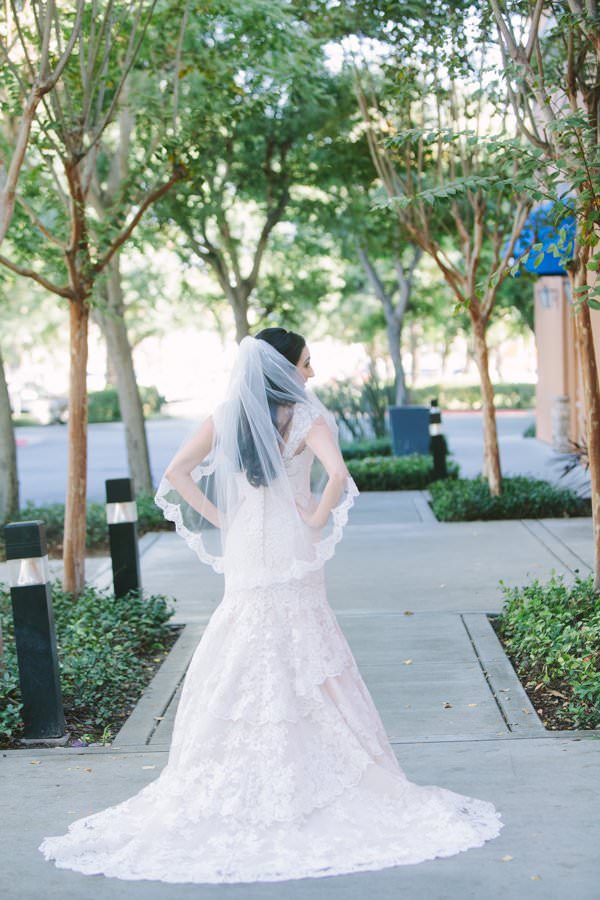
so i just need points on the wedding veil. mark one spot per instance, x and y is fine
(253, 475)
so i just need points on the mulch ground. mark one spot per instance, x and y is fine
(550, 701)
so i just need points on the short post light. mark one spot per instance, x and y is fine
(121, 518)
(35, 638)
(437, 441)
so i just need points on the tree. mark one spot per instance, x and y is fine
(74, 244)
(429, 151)
(23, 91)
(27, 85)
(551, 60)
(268, 105)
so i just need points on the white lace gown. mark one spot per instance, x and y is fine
(279, 766)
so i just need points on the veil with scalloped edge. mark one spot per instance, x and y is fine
(247, 476)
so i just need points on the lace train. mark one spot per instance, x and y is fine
(279, 766)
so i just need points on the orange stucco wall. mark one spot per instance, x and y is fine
(559, 373)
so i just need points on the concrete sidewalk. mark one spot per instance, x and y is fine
(412, 596)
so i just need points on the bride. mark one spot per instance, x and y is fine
(279, 765)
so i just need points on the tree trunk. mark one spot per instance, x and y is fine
(414, 355)
(591, 392)
(75, 509)
(394, 336)
(491, 453)
(239, 305)
(114, 330)
(9, 483)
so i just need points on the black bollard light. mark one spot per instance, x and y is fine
(121, 518)
(437, 442)
(35, 639)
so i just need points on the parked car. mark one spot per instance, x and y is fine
(37, 403)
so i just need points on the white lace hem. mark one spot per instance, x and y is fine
(324, 548)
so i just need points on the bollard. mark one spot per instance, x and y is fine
(437, 442)
(35, 639)
(121, 518)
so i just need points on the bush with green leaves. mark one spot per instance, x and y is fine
(150, 518)
(468, 396)
(360, 449)
(103, 406)
(106, 647)
(552, 632)
(465, 500)
(395, 473)
(359, 405)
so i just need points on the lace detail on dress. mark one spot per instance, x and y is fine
(279, 765)
(259, 533)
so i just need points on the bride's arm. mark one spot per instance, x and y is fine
(322, 443)
(179, 470)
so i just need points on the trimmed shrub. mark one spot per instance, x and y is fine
(465, 500)
(395, 473)
(552, 633)
(103, 406)
(468, 396)
(361, 449)
(150, 518)
(106, 649)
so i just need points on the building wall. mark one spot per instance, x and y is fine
(559, 372)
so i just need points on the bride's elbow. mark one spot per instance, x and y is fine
(338, 476)
(172, 474)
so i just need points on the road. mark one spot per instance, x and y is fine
(42, 452)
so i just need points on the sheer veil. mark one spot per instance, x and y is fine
(253, 474)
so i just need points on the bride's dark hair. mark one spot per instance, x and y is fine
(290, 345)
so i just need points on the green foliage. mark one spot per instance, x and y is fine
(466, 500)
(468, 396)
(105, 646)
(530, 431)
(360, 449)
(103, 406)
(397, 473)
(150, 518)
(360, 405)
(552, 631)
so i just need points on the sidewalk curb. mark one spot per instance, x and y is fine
(148, 711)
(515, 706)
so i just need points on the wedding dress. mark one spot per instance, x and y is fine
(279, 766)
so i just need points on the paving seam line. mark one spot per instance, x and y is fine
(564, 544)
(547, 539)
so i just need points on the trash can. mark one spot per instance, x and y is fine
(409, 426)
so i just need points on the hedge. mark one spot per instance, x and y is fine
(468, 396)
(465, 500)
(396, 473)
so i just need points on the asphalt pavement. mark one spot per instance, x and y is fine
(42, 452)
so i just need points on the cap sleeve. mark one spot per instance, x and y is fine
(303, 419)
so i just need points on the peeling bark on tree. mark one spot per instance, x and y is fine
(9, 483)
(75, 507)
(491, 452)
